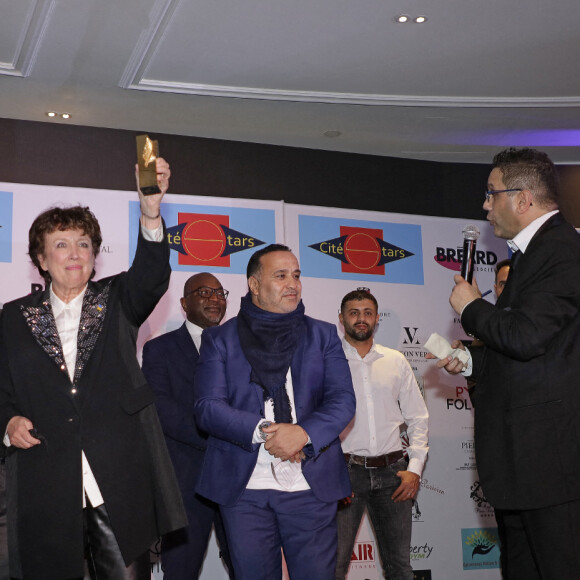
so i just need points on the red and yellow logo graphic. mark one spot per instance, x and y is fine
(361, 250)
(207, 240)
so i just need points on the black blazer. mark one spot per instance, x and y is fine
(107, 411)
(527, 410)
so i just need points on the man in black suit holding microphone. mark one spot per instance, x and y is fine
(527, 404)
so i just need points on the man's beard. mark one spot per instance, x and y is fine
(360, 335)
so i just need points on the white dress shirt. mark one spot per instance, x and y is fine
(263, 477)
(387, 395)
(195, 333)
(67, 318)
(522, 239)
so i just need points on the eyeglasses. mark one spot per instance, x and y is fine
(491, 192)
(363, 289)
(207, 292)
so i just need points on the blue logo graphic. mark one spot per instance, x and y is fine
(480, 548)
(361, 250)
(205, 243)
(5, 226)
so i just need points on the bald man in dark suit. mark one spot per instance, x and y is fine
(168, 364)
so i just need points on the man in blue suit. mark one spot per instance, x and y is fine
(168, 363)
(273, 391)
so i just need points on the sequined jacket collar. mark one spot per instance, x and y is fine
(40, 320)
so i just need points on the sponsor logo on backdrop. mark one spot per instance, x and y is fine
(461, 401)
(361, 250)
(480, 548)
(431, 487)
(421, 574)
(412, 348)
(212, 238)
(482, 506)
(422, 552)
(451, 258)
(207, 240)
(416, 512)
(425, 486)
(363, 556)
(467, 448)
(5, 226)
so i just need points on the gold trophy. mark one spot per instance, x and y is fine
(147, 153)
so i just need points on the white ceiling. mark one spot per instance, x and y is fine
(476, 77)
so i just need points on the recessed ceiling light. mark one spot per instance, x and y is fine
(420, 19)
(402, 18)
(332, 133)
(53, 114)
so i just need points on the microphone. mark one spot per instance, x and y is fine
(470, 235)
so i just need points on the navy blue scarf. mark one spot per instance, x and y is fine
(269, 340)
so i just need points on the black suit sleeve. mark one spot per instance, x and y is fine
(147, 279)
(544, 298)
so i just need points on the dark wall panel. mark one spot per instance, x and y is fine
(59, 154)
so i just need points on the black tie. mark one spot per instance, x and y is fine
(514, 259)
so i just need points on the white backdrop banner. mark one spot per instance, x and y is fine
(406, 261)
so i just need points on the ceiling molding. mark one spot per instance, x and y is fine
(149, 40)
(288, 73)
(33, 31)
(161, 16)
(145, 84)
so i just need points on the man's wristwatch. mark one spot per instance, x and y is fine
(261, 426)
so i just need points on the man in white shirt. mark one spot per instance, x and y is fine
(384, 481)
(168, 364)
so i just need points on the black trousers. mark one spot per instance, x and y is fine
(4, 572)
(540, 544)
(104, 560)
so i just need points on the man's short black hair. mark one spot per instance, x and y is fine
(531, 169)
(501, 265)
(358, 295)
(254, 265)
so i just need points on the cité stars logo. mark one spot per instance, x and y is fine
(207, 240)
(212, 238)
(362, 250)
(365, 250)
